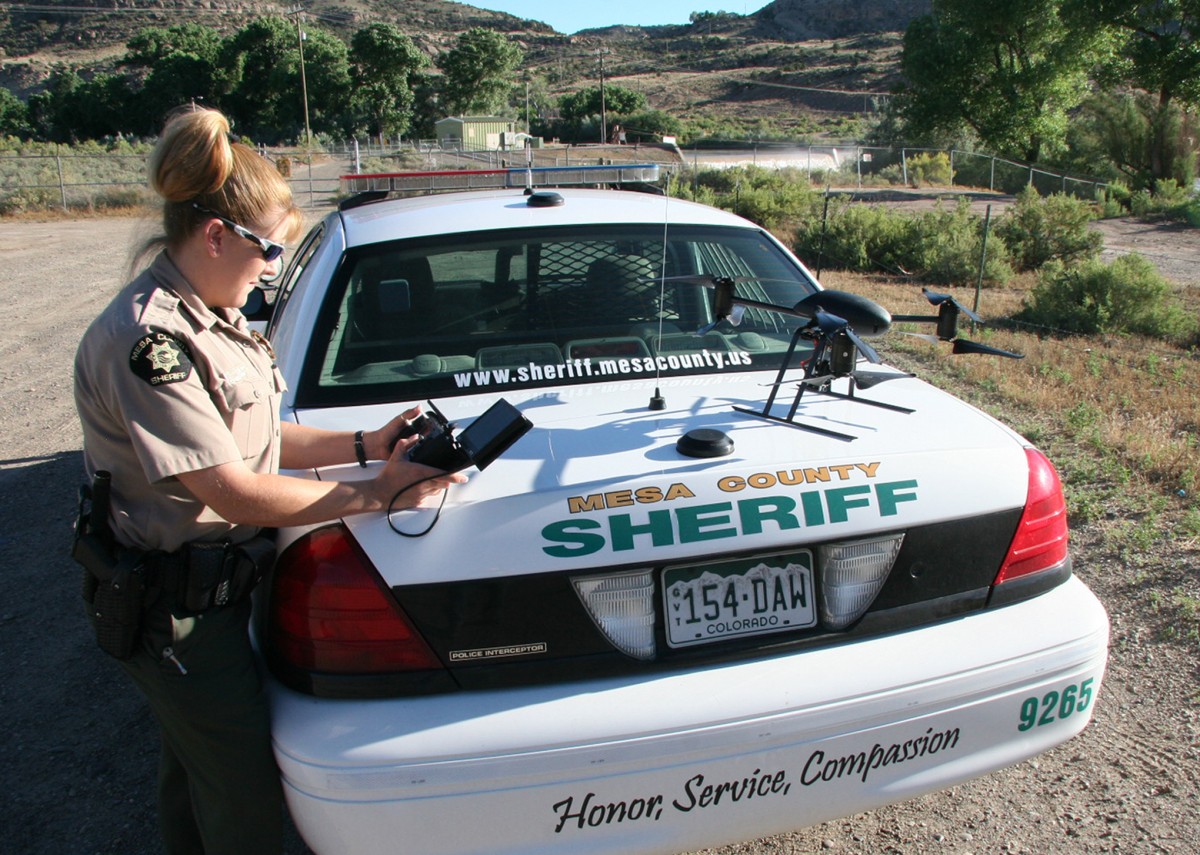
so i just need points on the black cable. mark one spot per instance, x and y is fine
(437, 515)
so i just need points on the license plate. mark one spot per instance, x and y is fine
(733, 599)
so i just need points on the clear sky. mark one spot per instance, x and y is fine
(571, 16)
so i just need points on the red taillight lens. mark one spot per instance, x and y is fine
(330, 612)
(1041, 539)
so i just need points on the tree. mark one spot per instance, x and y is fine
(477, 72)
(327, 69)
(14, 116)
(1160, 54)
(261, 83)
(584, 103)
(1010, 72)
(182, 62)
(652, 125)
(256, 79)
(72, 108)
(176, 79)
(151, 45)
(1131, 136)
(384, 66)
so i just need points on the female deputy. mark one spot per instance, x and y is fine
(179, 401)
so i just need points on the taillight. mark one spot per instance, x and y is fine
(1041, 539)
(330, 611)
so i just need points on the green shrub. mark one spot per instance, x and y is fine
(773, 198)
(1168, 199)
(1127, 296)
(1112, 201)
(922, 169)
(29, 199)
(941, 246)
(863, 238)
(1041, 229)
(119, 197)
(930, 168)
(949, 244)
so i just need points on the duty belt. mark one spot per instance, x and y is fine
(200, 576)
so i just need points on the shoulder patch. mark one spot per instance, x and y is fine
(160, 358)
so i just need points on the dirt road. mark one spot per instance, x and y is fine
(77, 774)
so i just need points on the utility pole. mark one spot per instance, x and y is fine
(600, 52)
(300, 37)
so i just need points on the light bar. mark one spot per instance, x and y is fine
(622, 605)
(852, 574)
(491, 179)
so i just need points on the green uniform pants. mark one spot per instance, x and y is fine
(218, 785)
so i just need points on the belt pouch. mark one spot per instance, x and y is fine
(205, 572)
(254, 559)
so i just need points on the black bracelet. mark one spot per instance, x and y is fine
(360, 450)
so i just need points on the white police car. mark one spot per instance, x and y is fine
(728, 583)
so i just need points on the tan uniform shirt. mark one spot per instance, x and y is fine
(165, 385)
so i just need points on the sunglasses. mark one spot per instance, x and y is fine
(270, 250)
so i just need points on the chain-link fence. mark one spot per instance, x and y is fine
(856, 165)
(75, 181)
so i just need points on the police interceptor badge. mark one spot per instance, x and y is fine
(159, 358)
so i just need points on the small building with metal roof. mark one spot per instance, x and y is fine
(475, 133)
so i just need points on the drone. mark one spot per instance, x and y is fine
(838, 324)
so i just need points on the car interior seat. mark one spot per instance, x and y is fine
(394, 299)
(621, 289)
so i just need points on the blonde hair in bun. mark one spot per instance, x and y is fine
(193, 157)
(196, 161)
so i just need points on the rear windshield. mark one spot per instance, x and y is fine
(545, 307)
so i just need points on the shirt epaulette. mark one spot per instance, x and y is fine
(162, 308)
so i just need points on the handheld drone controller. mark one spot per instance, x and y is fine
(477, 445)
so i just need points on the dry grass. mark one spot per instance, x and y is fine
(1133, 404)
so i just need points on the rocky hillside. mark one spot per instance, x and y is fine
(801, 20)
(91, 25)
(791, 58)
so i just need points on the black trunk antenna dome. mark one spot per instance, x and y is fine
(704, 442)
(545, 199)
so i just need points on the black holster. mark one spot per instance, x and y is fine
(114, 577)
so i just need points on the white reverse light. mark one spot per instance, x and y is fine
(851, 576)
(622, 605)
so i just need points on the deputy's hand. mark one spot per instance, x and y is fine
(379, 443)
(412, 484)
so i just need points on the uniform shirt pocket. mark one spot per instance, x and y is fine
(245, 404)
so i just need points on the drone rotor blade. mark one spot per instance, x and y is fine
(865, 349)
(961, 345)
(933, 339)
(829, 323)
(937, 299)
(934, 298)
(737, 313)
(867, 379)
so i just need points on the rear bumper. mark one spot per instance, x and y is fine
(679, 761)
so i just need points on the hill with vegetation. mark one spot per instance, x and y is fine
(799, 65)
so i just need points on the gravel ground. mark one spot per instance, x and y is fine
(79, 760)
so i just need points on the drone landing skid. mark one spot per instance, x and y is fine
(818, 384)
(789, 420)
(852, 397)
